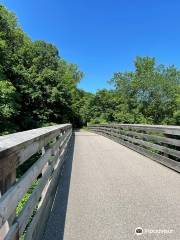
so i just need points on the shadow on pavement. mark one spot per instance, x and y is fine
(56, 223)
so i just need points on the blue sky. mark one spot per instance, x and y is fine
(103, 37)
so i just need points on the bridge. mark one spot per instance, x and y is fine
(114, 181)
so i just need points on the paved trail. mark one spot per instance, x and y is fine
(107, 190)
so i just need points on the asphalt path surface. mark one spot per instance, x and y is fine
(107, 190)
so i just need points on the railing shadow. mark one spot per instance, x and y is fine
(56, 222)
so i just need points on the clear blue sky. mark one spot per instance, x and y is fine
(102, 36)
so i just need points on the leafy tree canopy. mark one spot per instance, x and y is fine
(38, 87)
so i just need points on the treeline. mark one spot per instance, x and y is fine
(38, 87)
(150, 95)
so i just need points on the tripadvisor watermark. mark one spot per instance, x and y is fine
(139, 231)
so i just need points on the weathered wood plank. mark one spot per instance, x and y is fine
(130, 136)
(13, 233)
(36, 227)
(155, 138)
(151, 145)
(161, 148)
(57, 149)
(154, 156)
(174, 130)
(21, 146)
(10, 199)
(32, 202)
(23, 219)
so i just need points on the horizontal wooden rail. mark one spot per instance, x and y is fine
(158, 142)
(50, 144)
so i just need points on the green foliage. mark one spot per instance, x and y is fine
(38, 87)
(176, 113)
(26, 197)
(7, 94)
(149, 95)
(22, 203)
(8, 106)
(99, 108)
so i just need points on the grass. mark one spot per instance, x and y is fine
(27, 195)
(22, 203)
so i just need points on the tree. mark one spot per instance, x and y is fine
(147, 95)
(42, 80)
(8, 106)
(38, 87)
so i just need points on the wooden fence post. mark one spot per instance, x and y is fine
(7, 179)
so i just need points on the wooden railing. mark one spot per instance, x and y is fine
(160, 143)
(48, 147)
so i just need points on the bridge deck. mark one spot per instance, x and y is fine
(107, 190)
